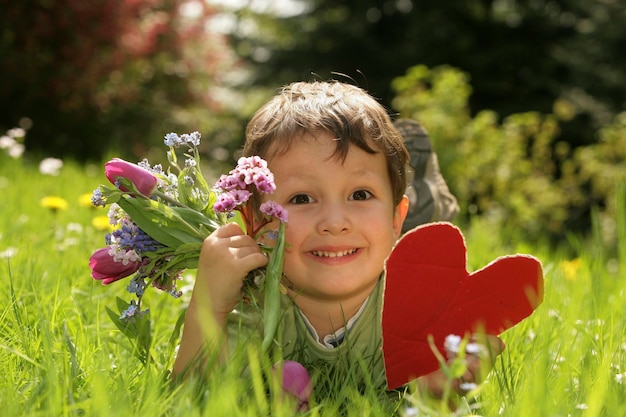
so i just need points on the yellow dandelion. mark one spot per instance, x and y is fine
(570, 268)
(102, 223)
(53, 203)
(84, 200)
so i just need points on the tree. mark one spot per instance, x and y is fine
(520, 55)
(544, 74)
(92, 75)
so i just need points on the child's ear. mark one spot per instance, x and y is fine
(399, 215)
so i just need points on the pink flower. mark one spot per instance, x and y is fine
(296, 382)
(144, 180)
(240, 196)
(230, 182)
(264, 182)
(250, 172)
(251, 162)
(273, 209)
(225, 203)
(104, 267)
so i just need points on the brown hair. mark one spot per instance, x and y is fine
(347, 112)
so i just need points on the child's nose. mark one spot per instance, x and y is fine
(334, 219)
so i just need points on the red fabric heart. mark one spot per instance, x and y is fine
(428, 291)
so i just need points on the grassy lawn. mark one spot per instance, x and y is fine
(61, 355)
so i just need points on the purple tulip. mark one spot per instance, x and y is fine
(104, 267)
(144, 180)
(296, 382)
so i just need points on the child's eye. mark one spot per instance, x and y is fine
(361, 195)
(301, 199)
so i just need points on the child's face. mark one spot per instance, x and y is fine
(342, 220)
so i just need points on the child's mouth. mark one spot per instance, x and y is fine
(328, 254)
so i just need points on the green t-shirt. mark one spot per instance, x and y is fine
(362, 340)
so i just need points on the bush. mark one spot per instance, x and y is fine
(519, 171)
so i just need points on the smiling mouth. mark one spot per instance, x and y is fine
(327, 254)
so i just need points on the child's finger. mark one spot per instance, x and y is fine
(228, 230)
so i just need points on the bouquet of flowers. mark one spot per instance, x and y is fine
(163, 216)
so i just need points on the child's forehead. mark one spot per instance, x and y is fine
(336, 147)
(321, 155)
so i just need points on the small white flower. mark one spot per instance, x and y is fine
(6, 142)
(474, 348)
(122, 255)
(467, 386)
(411, 412)
(75, 227)
(8, 253)
(131, 256)
(115, 214)
(16, 150)
(50, 166)
(554, 314)
(16, 132)
(452, 343)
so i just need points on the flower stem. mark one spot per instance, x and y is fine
(168, 199)
(271, 304)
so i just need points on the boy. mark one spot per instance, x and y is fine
(340, 171)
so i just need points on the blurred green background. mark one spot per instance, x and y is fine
(524, 100)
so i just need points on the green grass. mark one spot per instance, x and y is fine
(60, 354)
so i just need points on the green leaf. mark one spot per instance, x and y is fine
(196, 218)
(144, 336)
(128, 331)
(111, 195)
(188, 260)
(188, 248)
(160, 221)
(199, 199)
(177, 328)
(137, 329)
(208, 211)
(271, 301)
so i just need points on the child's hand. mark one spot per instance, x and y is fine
(226, 257)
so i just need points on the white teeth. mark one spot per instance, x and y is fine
(326, 254)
